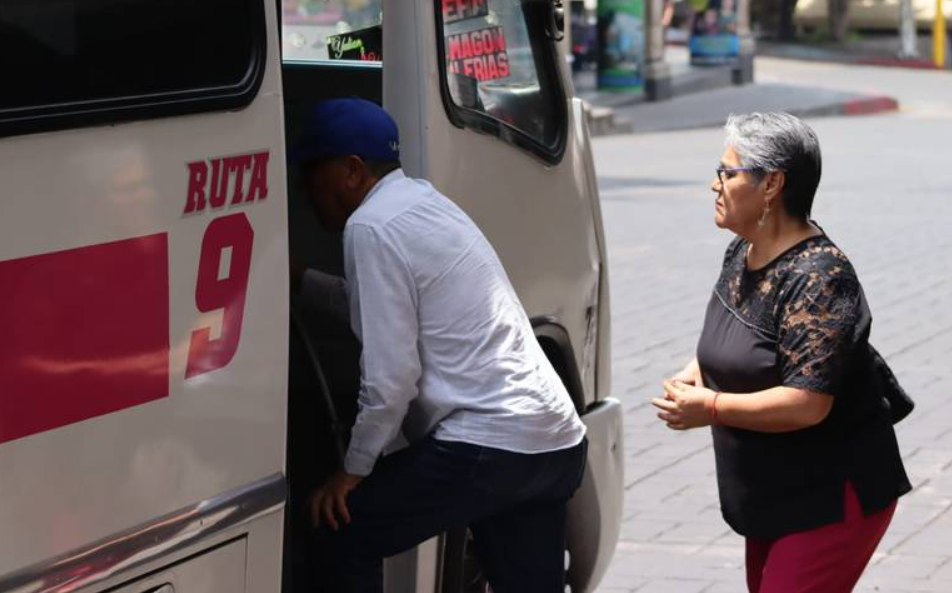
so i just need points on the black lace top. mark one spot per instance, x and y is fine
(807, 299)
(796, 322)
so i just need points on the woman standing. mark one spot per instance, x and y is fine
(808, 469)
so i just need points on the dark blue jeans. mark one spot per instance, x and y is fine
(514, 504)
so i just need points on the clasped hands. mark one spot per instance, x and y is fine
(685, 405)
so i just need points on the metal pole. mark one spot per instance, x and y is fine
(907, 30)
(744, 70)
(938, 36)
(658, 85)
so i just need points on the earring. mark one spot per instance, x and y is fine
(763, 217)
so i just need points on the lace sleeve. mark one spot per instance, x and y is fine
(817, 328)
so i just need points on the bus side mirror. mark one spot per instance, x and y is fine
(555, 22)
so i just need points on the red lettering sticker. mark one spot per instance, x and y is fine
(209, 182)
(85, 333)
(480, 54)
(458, 10)
(233, 235)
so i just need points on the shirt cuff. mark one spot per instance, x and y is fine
(358, 463)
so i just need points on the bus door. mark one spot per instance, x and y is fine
(484, 101)
(329, 49)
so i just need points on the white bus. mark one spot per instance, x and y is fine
(163, 415)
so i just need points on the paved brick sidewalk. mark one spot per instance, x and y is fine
(885, 199)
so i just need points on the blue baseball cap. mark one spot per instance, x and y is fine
(347, 126)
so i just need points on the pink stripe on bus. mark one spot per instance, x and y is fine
(83, 333)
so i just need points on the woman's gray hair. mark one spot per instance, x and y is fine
(766, 142)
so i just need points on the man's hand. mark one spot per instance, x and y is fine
(331, 498)
(684, 406)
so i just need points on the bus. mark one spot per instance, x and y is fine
(165, 408)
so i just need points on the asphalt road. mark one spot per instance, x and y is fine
(886, 199)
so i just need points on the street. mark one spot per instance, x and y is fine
(884, 199)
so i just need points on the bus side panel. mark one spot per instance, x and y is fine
(138, 419)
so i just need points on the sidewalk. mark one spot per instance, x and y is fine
(710, 109)
(606, 106)
(884, 199)
(614, 113)
(870, 49)
(685, 79)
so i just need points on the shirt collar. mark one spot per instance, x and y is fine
(395, 175)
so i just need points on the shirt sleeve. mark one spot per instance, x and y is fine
(817, 329)
(383, 311)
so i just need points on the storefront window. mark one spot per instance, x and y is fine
(325, 30)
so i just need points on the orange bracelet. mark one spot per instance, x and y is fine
(714, 408)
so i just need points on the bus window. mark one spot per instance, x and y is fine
(81, 62)
(323, 30)
(499, 72)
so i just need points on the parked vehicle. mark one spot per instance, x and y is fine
(870, 14)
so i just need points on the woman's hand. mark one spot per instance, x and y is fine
(687, 376)
(684, 405)
(690, 374)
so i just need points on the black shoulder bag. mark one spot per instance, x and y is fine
(875, 376)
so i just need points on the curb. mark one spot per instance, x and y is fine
(604, 121)
(869, 105)
(810, 54)
(913, 63)
(859, 105)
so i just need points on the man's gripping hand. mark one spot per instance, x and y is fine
(330, 500)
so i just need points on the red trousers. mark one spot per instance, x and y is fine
(828, 559)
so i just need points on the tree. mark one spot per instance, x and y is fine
(838, 15)
(775, 16)
(785, 28)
